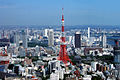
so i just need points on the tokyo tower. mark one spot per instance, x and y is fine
(63, 56)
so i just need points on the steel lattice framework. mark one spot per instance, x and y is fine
(63, 56)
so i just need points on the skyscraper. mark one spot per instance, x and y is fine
(117, 52)
(46, 32)
(77, 40)
(88, 32)
(50, 37)
(17, 39)
(24, 38)
(104, 41)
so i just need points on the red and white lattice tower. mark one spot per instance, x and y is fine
(63, 56)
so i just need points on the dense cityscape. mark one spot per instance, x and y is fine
(89, 53)
(59, 40)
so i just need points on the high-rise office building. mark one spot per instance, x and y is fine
(88, 32)
(24, 38)
(117, 52)
(51, 37)
(104, 41)
(17, 39)
(77, 40)
(70, 39)
(46, 32)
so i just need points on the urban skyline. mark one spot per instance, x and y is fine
(85, 47)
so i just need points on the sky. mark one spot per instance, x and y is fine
(48, 12)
